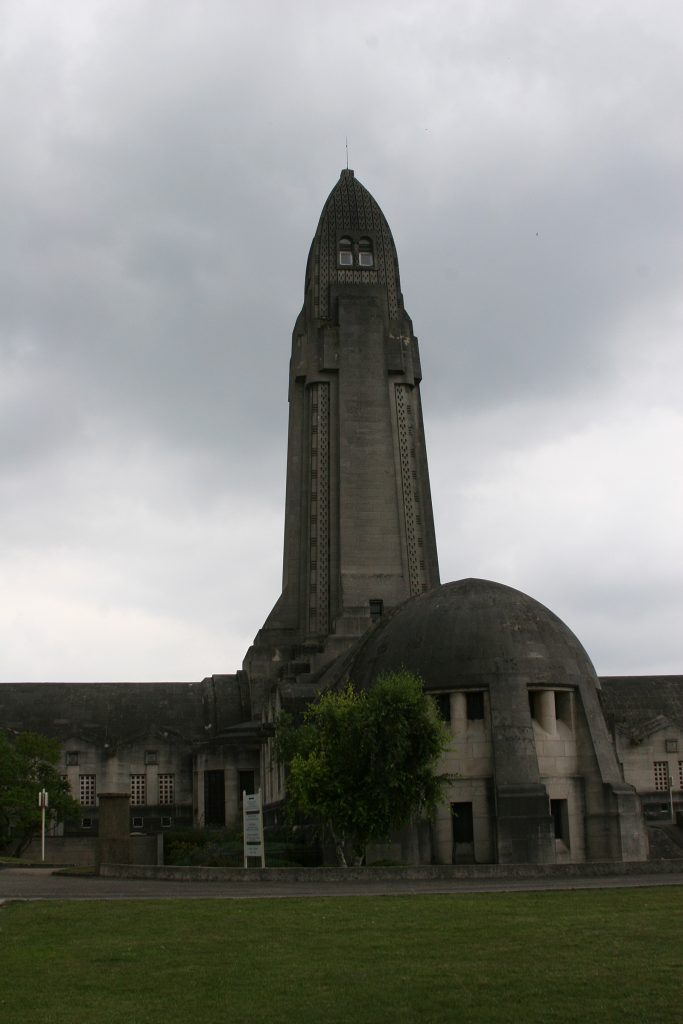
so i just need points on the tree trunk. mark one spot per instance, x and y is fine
(339, 844)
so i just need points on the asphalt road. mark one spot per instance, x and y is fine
(41, 884)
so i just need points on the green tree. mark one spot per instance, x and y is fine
(27, 765)
(363, 763)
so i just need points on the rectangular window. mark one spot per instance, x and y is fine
(443, 703)
(558, 809)
(87, 789)
(151, 757)
(376, 610)
(166, 822)
(71, 758)
(680, 774)
(462, 823)
(661, 769)
(166, 789)
(86, 822)
(138, 789)
(671, 746)
(475, 705)
(138, 822)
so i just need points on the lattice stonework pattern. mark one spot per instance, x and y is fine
(411, 494)
(166, 788)
(87, 790)
(661, 773)
(138, 789)
(319, 533)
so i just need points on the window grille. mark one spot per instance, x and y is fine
(138, 789)
(166, 789)
(71, 757)
(680, 774)
(661, 769)
(87, 789)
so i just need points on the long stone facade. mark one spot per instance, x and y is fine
(548, 764)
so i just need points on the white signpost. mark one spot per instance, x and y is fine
(43, 800)
(252, 821)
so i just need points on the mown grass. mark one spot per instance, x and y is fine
(610, 956)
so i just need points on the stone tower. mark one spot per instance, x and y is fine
(359, 530)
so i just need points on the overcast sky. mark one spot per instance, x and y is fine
(164, 164)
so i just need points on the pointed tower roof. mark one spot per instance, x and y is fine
(351, 212)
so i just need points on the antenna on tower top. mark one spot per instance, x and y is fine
(347, 152)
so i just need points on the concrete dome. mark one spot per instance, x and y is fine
(473, 633)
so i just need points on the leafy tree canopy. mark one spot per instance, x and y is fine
(362, 763)
(27, 765)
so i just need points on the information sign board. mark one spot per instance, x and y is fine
(252, 821)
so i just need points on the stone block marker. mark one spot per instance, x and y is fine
(114, 829)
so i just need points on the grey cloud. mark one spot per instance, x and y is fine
(163, 177)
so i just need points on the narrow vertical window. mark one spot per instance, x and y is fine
(345, 253)
(560, 816)
(475, 705)
(443, 703)
(365, 254)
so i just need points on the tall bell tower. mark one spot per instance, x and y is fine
(359, 529)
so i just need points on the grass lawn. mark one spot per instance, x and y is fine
(586, 957)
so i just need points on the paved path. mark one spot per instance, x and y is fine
(40, 884)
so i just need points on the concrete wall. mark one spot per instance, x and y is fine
(82, 852)
(638, 761)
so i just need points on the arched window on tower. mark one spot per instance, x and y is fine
(345, 255)
(365, 254)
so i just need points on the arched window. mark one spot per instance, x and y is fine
(345, 252)
(365, 255)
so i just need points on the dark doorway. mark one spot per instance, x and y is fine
(558, 809)
(245, 784)
(463, 833)
(214, 797)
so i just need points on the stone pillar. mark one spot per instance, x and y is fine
(458, 713)
(525, 825)
(545, 713)
(113, 845)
